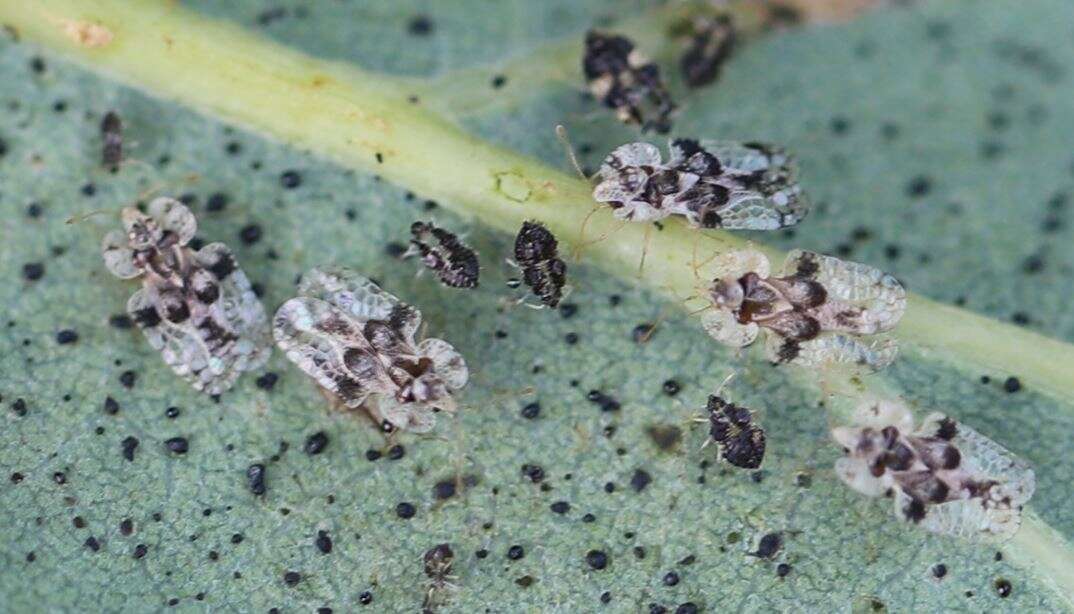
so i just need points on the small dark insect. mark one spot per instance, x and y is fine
(438, 561)
(255, 478)
(542, 269)
(712, 40)
(741, 442)
(768, 546)
(454, 263)
(112, 137)
(623, 79)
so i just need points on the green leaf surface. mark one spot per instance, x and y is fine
(978, 95)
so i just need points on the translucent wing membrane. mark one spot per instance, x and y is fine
(237, 306)
(756, 184)
(747, 210)
(182, 345)
(996, 514)
(631, 154)
(737, 263)
(173, 216)
(449, 364)
(722, 326)
(316, 337)
(873, 353)
(360, 297)
(880, 295)
(118, 256)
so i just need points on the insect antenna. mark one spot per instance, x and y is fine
(561, 134)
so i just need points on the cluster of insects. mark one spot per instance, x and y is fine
(943, 476)
(366, 348)
(622, 78)
(456, 265)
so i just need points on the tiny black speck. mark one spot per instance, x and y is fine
(127, 378)
(783, 570)
(444, 489)
(420, 25)
(396, 452)
(292, 578)
(1003, 588)
(33, 271)
(217, 202)
(255, 478)
(640, 480)
(129, 445)
(919, 186)
(177, 445)
(596, 559)
(560, 507)
(395, 249)
(140, 551)
(316, 443)
(515, 552)
(534, 472)
(939, 570)
(172, 412)
(642, 332)
(19, 407)
(365, 598)
(250, 234)
(405, 510)
(290, 179)
(111, 406)
(66, 336)
(323, 542)
(372, 455)
(92, 543)
(769, 545)
(267, 381)
(531, 410)
(671, 578)
(499, 81)
(687, 608)
(1012, 385)
(571, 338)
(121, 321)
(671, 387)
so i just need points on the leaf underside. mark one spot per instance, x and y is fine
(935, 141)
